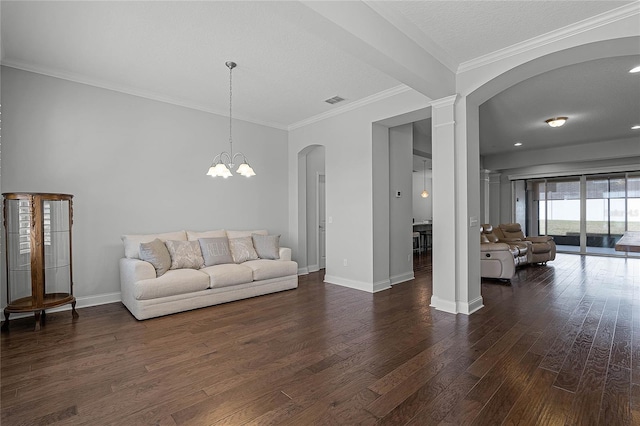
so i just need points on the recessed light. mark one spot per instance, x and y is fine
(636, 69)
(556, 121)
(517, 144)
(636, 127)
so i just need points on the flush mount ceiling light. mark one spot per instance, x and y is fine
(517, 144)
(636, 127)
(424, 193)
(556, 121)
(635, 70)
(224, 162)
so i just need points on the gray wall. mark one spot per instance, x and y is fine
(134, 166)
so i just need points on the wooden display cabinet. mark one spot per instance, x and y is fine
(38, 254)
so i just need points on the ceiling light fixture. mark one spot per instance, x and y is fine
(556, 121)
(636, 127)
(635, 70)
(424, 193)
(224, 162)
(517, 144)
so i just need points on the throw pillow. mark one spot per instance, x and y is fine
(267, 246)
(215, 251)
(185, 254)
(156, 253)
(242, 249)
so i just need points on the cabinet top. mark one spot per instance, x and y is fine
(47, 195)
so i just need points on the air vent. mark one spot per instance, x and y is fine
(334, 100)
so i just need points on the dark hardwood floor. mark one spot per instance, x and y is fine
(560, 345)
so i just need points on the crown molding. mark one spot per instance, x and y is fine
(128, 90)
(351, 106)
(553, 36)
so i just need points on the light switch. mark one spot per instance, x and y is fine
(473, 221)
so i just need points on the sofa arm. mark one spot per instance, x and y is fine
(134, 270)
(491, 247)
(285, 253)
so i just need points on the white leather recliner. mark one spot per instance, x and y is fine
(497, 259)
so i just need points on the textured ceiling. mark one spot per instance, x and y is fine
(601, 99)
(291, 56)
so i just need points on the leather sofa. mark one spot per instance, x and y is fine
(497, 259)
(519, 249)
(542, 248)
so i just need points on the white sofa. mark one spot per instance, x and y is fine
(147, 295)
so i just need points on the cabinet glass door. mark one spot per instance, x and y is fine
(57, 264)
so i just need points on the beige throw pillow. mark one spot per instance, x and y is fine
(267, 246)
(156, 253)
(185, 254)
(242, 249)
(215, 251)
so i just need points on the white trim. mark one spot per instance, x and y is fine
(401, 278)
(128, 90)
(577, 172)
(99, 299)
(448, 123)
(444, 305)
(381, 286)
(357, 285)
(313, 268)
(443, 102)
(351, 106)
(471, 307)
(588, 24)
(303, 271)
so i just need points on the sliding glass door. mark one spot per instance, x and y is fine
(585, 214)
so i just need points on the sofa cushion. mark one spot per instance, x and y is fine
(242, 249)
(194, 236)
(227, 274)
(215, 251)
(177, 281)
(185, 254)
(240, 234)
(264, 269)
(132, 242)
(267, 246)
(156, 253)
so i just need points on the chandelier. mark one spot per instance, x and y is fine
(224, 162)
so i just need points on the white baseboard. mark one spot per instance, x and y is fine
(345, 282)
(471, 307)
(313, 268)
(444, 305)
(381, 285)
(466, 308)
(401, 278)
(303, 271)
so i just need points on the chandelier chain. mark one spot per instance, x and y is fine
(230, 110)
